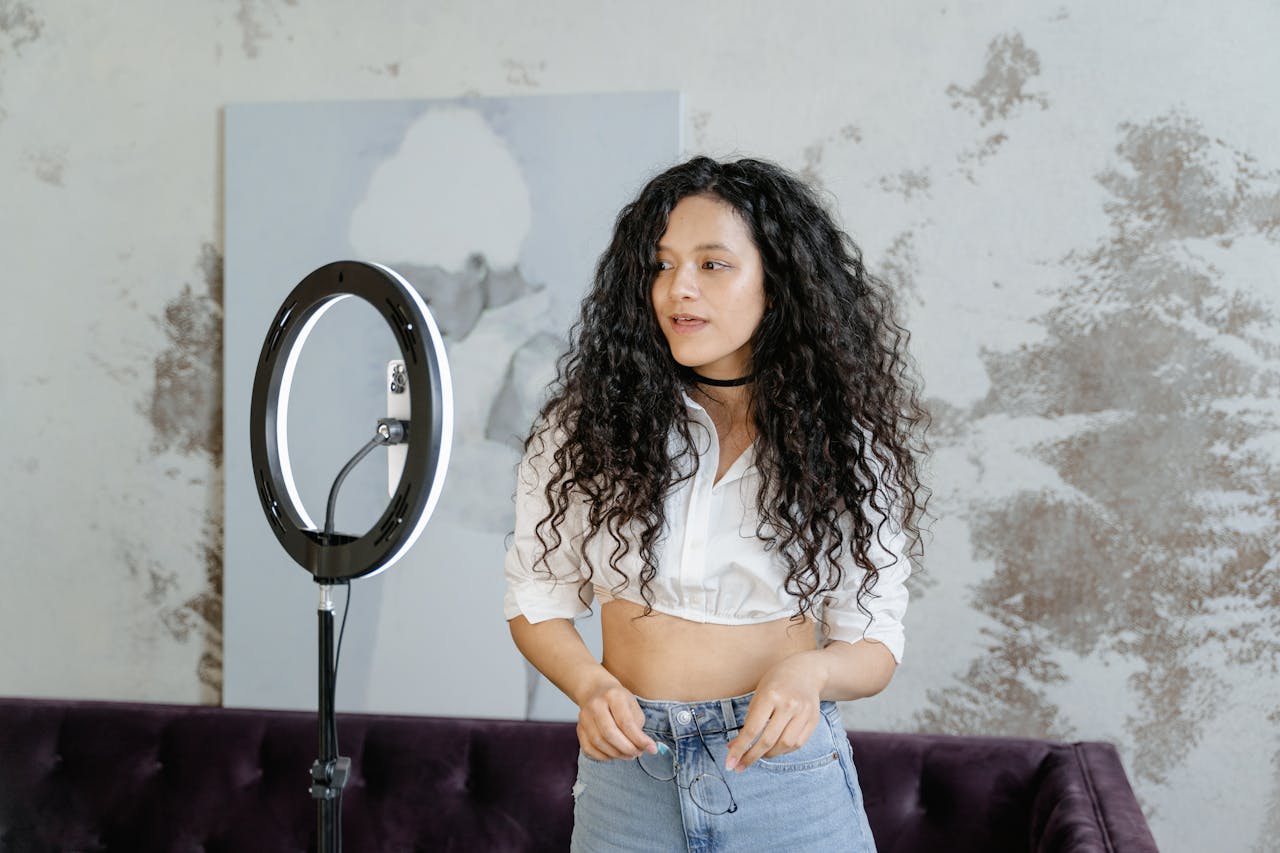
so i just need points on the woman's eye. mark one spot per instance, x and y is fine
(713, 265)
(662, 266)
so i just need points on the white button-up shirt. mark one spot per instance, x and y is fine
(711, 565)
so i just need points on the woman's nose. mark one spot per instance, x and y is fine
(684, 283)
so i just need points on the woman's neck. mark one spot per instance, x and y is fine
(726, 406)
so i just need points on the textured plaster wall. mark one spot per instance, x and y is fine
(1079, 201)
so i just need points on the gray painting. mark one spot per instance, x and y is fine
(495, 210)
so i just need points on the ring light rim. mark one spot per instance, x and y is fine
(446, 391)
(430, 431)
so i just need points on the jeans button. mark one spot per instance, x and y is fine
(683, 717)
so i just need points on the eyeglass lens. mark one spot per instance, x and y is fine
(660, 765)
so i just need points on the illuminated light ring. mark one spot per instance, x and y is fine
(340, 557)
(444, 384)
(282, 407)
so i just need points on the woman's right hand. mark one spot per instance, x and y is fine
(610, 722)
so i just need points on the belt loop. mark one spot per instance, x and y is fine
(730, 718)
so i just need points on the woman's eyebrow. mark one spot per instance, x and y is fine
(702, 247)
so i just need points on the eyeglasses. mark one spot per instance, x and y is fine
(709, 793)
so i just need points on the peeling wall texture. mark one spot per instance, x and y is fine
(1079, 206)
(185, 411)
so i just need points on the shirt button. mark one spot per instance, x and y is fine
(683, 717)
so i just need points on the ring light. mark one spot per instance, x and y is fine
(336, 557)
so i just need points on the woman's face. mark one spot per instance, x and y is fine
(708, 293)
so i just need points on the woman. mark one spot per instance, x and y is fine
(711, 467)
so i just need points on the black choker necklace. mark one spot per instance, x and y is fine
(720, 383)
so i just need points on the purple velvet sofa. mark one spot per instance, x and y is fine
(144, 778)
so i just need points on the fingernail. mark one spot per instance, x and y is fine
(661, 749)
(730, 763)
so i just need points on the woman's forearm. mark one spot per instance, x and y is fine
(847, 671)
(556, 649)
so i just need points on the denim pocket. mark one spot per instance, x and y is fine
(818, 751)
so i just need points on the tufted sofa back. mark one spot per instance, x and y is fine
(98, 776)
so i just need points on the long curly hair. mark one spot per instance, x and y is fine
(834, 404)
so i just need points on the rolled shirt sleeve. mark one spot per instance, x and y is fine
(532, 590)
(887, 600)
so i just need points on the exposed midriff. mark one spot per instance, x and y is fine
(661, 656)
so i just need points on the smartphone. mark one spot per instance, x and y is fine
(397, 407)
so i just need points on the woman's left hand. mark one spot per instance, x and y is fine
(783, 713)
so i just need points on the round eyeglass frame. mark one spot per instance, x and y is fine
(692, 786)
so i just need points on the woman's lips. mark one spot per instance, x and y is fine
(689, 326)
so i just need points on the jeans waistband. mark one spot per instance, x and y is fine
(711, 716)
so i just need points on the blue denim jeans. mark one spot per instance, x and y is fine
(807, 800)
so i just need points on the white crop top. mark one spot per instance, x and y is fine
(711, 565)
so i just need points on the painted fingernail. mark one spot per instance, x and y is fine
(730, 763)
(662, 749)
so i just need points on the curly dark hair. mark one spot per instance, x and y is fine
(833, 400)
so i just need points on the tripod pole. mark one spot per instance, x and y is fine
(329, 772)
